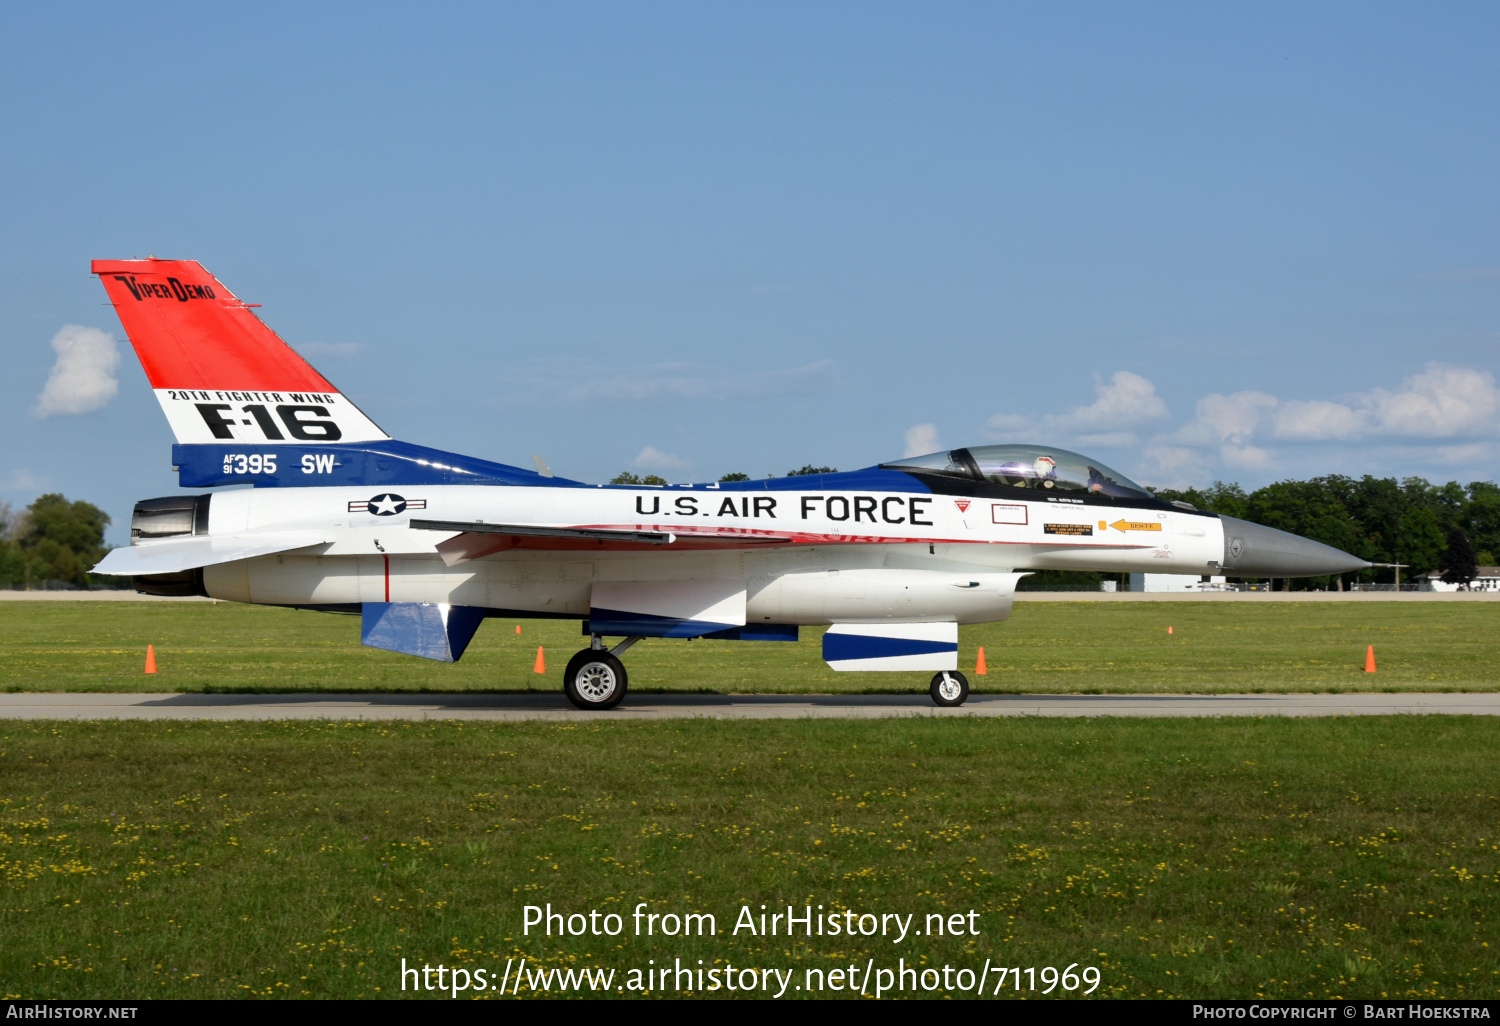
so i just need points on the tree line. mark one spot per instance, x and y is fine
(1425, 526)
(1452, 527)
(52, 540)
(627, 478)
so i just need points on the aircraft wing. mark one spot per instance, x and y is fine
(477, 539)
(173, 555)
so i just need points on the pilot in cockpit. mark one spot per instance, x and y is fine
(1055, 471)
(1041, 473)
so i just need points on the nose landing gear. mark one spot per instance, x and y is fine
(949, 688)
(596, 678)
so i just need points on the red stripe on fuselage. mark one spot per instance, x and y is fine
(716, 538)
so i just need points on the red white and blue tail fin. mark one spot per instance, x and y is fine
(219, 373)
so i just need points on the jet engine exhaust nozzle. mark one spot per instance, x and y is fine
(1251, 550)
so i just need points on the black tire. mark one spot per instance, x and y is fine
(595, 680)
(954, 693)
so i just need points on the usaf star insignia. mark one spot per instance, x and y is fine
(387, 505)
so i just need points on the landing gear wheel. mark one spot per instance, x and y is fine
(595, 679)
(949, 688)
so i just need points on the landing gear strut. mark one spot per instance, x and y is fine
(596, 678)
(949, 688)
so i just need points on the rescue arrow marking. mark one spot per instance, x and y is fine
(1133, 525)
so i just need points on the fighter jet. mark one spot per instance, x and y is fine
(424, 545)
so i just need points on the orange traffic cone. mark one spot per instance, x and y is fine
(541, 663)
(1370, 659)
(1169, 630)
(150, 658)
(979, 670)
(518, 628)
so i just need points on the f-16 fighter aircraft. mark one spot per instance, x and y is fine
(425, 544)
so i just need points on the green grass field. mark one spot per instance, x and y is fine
(1228, 858)
(1053, 647)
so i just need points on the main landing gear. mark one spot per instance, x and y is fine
(595, 678)
(949, 688)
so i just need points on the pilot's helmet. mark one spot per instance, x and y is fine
(1045, 468)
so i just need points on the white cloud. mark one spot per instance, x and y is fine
(1441, 401)
(1173, 466)
(678, 382)
(1225, 418)
(921, 439)
(1474, 453)
(1121, 405)
(311, 349)
(1317, 420)
(1109, 440)
(1127, 401)
(652, 458)
(1165, 466)
(83, 377)
(1245, 457)
(1173, 458)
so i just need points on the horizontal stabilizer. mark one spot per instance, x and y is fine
(431, 630)
(166, 557)
(891, 646)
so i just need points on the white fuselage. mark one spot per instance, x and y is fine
(850, 557)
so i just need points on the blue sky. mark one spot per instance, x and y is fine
(1198, 241)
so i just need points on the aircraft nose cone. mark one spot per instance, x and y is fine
(1251, 550)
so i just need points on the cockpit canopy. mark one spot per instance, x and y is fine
(1026, 466)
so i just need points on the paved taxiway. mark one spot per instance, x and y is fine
(36, 706)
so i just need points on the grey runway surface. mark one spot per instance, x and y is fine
(38, 706)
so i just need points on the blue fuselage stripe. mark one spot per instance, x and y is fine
(401, 464)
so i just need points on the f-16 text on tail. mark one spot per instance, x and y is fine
(426, 544)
